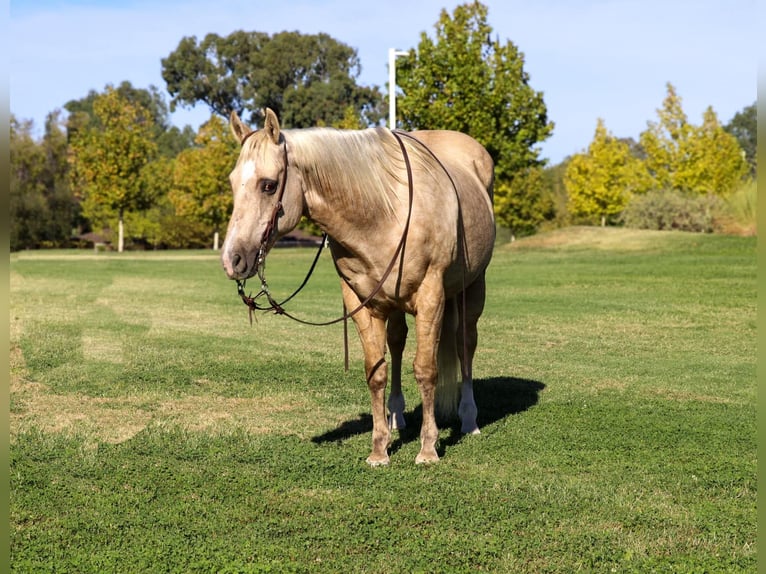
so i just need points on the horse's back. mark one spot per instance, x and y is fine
(472, 170)
(456, 149)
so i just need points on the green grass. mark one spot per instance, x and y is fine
(154, 430)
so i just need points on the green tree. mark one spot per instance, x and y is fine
(601, 181)
(170, 139)
(28, 209)
(521, 204)
(744, 127)
(463, 80)
(43, 211)
(555, 193)
(65, 210)
(307, 79)
(148, 224)
(693, 159)
(201, 189)
(108, 157)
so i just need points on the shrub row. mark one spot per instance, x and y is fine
(675, 210)
(670, 209)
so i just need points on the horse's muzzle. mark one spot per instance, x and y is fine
(238, 265)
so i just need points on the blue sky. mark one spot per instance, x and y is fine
(590, 58)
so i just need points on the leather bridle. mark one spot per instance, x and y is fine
(270, 231)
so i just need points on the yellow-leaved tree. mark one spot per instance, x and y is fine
(693, 159)
(352, 120)
(107, 160)
(601, 181)
(201, 189)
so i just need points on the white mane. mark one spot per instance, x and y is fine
(353, 168)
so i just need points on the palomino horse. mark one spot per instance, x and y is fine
(409, 233)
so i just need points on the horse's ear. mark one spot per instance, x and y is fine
(238, 127)
(271, 125)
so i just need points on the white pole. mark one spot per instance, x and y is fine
(392, 54)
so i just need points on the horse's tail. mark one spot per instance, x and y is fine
(448, 364)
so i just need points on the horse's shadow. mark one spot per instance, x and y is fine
(496, 398)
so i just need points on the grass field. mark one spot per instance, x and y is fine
(154, 430)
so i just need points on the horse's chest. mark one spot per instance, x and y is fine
(393, 289)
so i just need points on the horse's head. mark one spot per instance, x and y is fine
(266, 204)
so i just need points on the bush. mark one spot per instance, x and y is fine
(739, 214)
(183, 233)
(670, 209)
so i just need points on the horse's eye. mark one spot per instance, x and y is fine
(268, 186)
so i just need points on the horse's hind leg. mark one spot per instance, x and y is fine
(467, 339)
(397, 337)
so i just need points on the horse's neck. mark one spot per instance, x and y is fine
(342, 211)
(354, 230)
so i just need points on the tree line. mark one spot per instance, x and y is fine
(116, 166)
(674, 158)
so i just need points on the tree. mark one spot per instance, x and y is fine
(744, 127)
(665, 142)
(43, 211)
(351, 120)
(170, 139)
(306, 79)
(718, 164)
(463, 80)
(174, 140)
(555, 193)
(201, 187)
(28, 209)
(601, 181)
(108, 157)
(149, 224)
(149, 100)
(692, 159)
(520, 204)
(65, 211)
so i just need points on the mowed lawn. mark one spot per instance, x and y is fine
(154, 430)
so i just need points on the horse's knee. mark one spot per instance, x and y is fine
(425, 374)
(377, 375)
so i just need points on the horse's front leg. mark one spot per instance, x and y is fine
(372, 332)
(397, 337)
(428, 324)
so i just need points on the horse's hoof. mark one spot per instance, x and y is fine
(470, 430)
(427, 458)
(377, 461)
